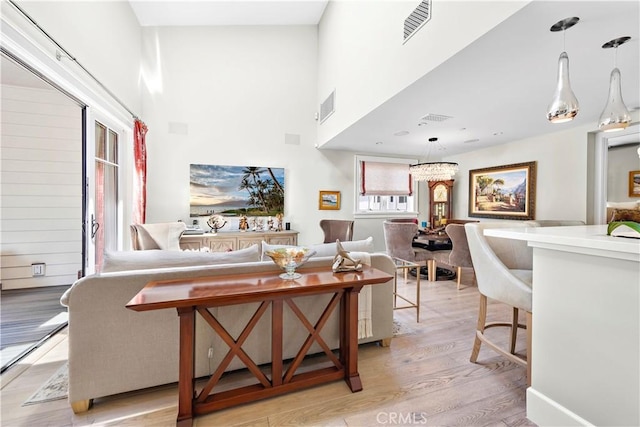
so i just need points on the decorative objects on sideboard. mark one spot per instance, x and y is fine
(243, 223)
(216, 222)
(615, 115)
(504, 192)
(279, 218)
(564, 105)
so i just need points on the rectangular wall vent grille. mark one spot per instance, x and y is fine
(417, 19)
(434, 118)
(327, 107)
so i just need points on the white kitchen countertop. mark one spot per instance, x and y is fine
(586, 237)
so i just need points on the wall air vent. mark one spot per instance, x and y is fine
(417, 19)
(328, 106)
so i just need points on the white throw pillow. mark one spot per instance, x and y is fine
(327, 249)
(145, 260)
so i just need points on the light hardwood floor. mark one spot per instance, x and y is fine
(423, 378)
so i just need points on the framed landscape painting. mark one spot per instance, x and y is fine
(634, 183)
(503, 192)
(329, 200)
(235, 190)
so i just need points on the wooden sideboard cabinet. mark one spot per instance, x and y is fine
(234, 240)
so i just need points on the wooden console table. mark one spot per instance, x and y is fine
(189, 296)
(233, 240)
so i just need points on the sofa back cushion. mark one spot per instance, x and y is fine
(150, 259)
(327, 249)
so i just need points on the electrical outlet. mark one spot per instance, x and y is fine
(210, 355)
(37, 269)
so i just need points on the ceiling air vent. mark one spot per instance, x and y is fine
(433, 118)
(328, 106)
(417, 19)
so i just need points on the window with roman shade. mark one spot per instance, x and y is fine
(385, 179)
(384, 186)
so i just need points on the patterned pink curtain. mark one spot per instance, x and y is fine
(140, 174)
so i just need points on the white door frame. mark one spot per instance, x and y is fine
(37, 56)
(601, 166)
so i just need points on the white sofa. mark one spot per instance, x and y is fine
(113, 349)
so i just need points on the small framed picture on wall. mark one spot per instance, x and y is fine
(329, 200)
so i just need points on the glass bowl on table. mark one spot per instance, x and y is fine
(289, 259)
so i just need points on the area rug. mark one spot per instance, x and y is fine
(401, 328)
(55, 388)
(441, 273)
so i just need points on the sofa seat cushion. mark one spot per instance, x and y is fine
(150, 259)
(327, 249)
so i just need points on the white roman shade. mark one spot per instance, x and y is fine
(385, 179)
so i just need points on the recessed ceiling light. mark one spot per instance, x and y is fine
(468, 141)
(402, 133)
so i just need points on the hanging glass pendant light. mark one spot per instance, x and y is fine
(615, 115)
(564, 105)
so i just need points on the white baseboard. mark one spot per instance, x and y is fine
(547, 412)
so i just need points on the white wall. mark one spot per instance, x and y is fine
(41, 203)
(561, 185)
(362, 55)
(104, 36)
(234, 92)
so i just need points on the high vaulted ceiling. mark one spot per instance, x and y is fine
(495, 91)
(227, 12)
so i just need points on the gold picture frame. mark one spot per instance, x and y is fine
(329, 200)
(503, 192)
(634, 183)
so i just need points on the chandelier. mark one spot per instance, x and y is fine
(433, 171)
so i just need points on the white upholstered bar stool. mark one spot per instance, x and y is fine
(503, 270)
